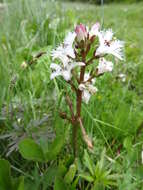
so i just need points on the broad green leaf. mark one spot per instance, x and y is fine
(5, 178)
(88, 162)
(49, 175)
(70, 174)
(54, 148)
(52, 173)
(62, 170)
(21, 183)
(31, 150)
(59, 184)
(18, 183)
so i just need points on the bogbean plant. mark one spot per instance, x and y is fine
(80, 61)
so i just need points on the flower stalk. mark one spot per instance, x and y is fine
(73, 54)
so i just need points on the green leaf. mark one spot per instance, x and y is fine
(75, 182)
(98, 186)
(54, 148)
(59, 184)
(88, 162)
(18, 183)
(101, 162)
(127, 143)
(5, 178)
(61, 171)
(31, 150)
(21, 183)
(87, 177)
(49, 175)
(52, 173)
(70, 174)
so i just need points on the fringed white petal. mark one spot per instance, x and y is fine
(104, 66)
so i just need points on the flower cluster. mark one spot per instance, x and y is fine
(75, 52)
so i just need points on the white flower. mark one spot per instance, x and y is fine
(56, 70)
(94, 30)
(92, 89)
(86, 96)
(104, 66)
(63, 53)
(68, 44)
(85, 93)
(122, 77)
(65, 71)
(116, 49)
(87, 88)
(106, 35)
(69, 39)
(87, 76)
(108, 45)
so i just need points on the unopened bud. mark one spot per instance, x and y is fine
(81, 32)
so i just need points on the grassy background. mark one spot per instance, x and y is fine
(28, 96)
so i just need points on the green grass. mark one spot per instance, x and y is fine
(115, 113)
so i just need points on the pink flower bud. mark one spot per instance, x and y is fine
(81, 32)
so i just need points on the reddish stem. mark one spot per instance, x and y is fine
(78, 107)
(79, 92)
(76, 120)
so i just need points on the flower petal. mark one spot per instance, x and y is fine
(55, 74)
(66, 75)
(104, 66)
(55, 66)
(69, 39)
(94, 30)
(86, 96)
